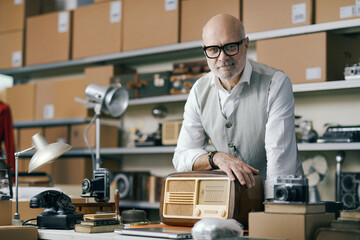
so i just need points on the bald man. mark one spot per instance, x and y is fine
(246, 110)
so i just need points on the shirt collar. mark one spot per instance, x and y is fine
(245, 77)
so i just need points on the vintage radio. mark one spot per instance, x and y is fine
(188, 197)
(170, 132)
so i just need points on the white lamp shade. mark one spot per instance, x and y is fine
(45, 152)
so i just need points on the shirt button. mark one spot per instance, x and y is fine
(230, 145)
(228, 125)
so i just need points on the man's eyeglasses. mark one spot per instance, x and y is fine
(230, 49)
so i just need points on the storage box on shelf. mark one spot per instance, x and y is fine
(195, 13)
(71, 170)
(48, 38)
(57, 134)
(100, 74)
(25, 135)
(21, 99)
(11, 48)
(157, 27)
(334, 10)
(308, 58)
(45, 102)
(259, 15)
(97, 29)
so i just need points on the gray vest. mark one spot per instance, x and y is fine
(243, 133)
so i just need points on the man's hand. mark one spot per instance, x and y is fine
(232, 165)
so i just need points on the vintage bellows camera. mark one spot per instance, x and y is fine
(99, 187)
(290, 189)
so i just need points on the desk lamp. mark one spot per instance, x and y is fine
(45, 153)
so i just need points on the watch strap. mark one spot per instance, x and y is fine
(211, 159)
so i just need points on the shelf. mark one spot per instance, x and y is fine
(323, 86)
(47, 123)
(114, 151)
(159, 99)
(170, 52)
(328, 146)
(137, 204)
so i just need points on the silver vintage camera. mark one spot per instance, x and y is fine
(99, 187)
(290, 189)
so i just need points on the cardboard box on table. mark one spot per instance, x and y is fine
(48, 38)
(97, 29)
(287, 226)
(195, 13)
(5, 217)
(265, 15)
(19, 232)
(156, 27)
(335, 10)
(308, 58)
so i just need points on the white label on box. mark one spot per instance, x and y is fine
(313, 73)
(347, 12)
(63, 22)
(115, 12)
(49, 110)
(170, 5)
(16, 2)
(357, 10)
(298, 13)
(16, 59)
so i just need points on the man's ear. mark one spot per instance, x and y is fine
(246, 42)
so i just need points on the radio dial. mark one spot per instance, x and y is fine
(222, 213)
(197, 212)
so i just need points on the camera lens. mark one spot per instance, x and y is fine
(285, 193)
(86, 185)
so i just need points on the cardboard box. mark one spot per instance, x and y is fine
(100, 75)
(48, 38)
(108, 136)
(64, 99)
(97, 29)
(19, 232)
(287, 226)
(157, 27)
(11, 48)
(334, 10)
(13, 13)
(72, 170)
(45, 107)
(57, 134)
(308, 58)
(25, 136)
(260, 15)
(24, 209)
(195, 13)
(21, 99)
(5, 218)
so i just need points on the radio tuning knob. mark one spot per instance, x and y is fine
(222, 213)
(197, 212)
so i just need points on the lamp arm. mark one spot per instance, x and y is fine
(17, 154)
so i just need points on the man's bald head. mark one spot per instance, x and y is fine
(223, 24)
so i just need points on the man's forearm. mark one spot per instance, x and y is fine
(202, 163)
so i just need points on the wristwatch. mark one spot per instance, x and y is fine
(211, 161)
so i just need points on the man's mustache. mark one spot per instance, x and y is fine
(226, 63)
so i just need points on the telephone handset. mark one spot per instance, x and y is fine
(59, 211)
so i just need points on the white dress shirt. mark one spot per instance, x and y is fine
(280, 142)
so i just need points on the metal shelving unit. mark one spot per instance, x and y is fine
(328, 146)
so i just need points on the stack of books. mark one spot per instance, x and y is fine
(98, 223)
(348, 219)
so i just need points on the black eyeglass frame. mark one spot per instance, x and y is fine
(223, 48)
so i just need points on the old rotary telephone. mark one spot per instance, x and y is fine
(59, 212)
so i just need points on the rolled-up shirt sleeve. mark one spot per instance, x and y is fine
(192, 139)
(280, 141)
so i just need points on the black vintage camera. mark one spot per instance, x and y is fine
(99, 187)
(289, 189)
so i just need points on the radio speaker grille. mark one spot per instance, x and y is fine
(179, 209)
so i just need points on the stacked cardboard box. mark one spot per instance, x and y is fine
(308, 58)
(195, 13)
(12, 18)
(265, 15)
(334, 10)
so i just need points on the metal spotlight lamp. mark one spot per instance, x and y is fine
(45, 153)
(112, 100)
